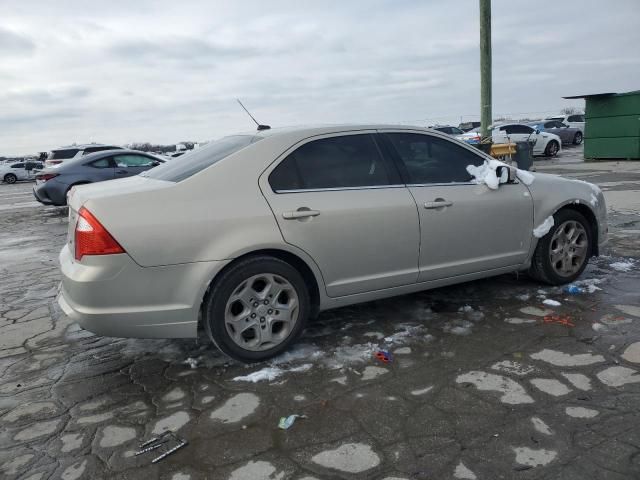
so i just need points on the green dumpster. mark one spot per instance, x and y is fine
(612, 125)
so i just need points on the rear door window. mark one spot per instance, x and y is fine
(132, 161)
(430, 159)
(102, 163)
(346, 161)
(576, 118)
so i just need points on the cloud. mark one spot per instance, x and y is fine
(162, 70)
(14, 44)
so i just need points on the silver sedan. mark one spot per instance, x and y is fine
(256, 233)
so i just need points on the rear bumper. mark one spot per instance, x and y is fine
(113, 296)
(49, 193)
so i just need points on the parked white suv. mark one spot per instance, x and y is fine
(59, 155)
(575, 120)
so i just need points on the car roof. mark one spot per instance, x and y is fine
(312, 130)
(84, 146)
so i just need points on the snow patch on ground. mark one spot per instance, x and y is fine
(581, 412)
(512, 392)
(632, 353)
(533, 458)
(540, 426)
(578, 380)
(550, 386)
(618, 376)
(350, 458)
(551, 303)
(542, 229)
(561, 359)
(625, 266)
(535, 311)
(463, 473)
(632, 310)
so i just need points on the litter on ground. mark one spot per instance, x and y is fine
(286, 423)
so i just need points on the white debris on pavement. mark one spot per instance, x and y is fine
(421, 391)
(561, 359)
(542, 229)
(519, 321)
(512, 392)
(372, 372)
(535, 311)
(515, 368)
(192, 362)
(551, 303)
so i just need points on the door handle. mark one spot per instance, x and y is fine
(300, 213)
(121, 171)
(437, 204)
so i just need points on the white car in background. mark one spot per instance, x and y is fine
(575, 120)
(14, 171)
(544, 143)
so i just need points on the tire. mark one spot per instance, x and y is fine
(577, 138)
(552, 149)
(227, 307)
(10, 178)
(542, 266)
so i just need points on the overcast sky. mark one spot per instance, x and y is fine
(165, 71)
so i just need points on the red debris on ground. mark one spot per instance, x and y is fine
(564, 320)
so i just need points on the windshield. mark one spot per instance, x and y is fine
(184, 166)
(62, 154)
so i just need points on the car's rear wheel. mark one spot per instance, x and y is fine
(257, 309)
(10, 178)
(563, 253)
(552, 149)
(577, 138)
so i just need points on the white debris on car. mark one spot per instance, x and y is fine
(542, 229)
(486, 174)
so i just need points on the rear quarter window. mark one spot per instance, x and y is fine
(197, 160)
(62, 154)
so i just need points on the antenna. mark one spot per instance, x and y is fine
(260, 127)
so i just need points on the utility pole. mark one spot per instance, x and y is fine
(485, 67)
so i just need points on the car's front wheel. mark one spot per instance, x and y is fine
(563, 253)
(10, 178)
(256, 309)
(577, 138)
(552, 149)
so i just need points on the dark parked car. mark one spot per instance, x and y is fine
(566, 133)
(53, 184)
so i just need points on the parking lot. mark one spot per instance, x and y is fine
(484, 381)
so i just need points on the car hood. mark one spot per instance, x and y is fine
(85, 194)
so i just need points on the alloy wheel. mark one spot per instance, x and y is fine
(261, 312)
(568, 248)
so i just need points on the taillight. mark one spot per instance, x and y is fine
(91, 238)
(46, 176)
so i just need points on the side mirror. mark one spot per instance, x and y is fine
(155, 163)
(537, 131)
(505, 174)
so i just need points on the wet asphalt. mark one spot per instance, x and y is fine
(495, 379)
